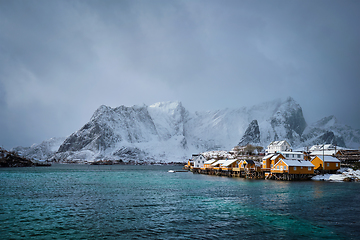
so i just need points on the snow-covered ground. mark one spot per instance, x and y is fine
(345, 174)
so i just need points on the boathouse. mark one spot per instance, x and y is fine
(229, 164)
(270, 160)
(326, 163)
(208, 163)
(291, 169)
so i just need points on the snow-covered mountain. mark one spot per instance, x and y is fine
(168, 132)
(42, 151)
(328, 130)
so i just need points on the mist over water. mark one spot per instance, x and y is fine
(130, 202)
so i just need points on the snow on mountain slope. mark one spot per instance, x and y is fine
(214, 130)
(42, 151)
(277, 120)
(328, 130)
(169, 119)
(168, 132)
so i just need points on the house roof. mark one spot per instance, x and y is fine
(196, 156)
(326, 152)
(250, 161)
(328, 159)
(229, 162)
(268, 156)
(218, 162)
(211, 161)
(296, 163)
(275, 156)
(292, 153)
(322, 146)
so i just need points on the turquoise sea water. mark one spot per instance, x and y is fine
(147, 202)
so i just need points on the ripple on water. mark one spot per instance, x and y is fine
(83, 202)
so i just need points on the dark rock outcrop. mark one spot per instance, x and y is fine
(251, 135)
(12, 159)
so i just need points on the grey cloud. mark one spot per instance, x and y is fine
(60, 60)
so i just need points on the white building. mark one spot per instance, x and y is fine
(199, 161)
(293, 155)
(278, 146)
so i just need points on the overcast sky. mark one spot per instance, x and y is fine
(61, 60)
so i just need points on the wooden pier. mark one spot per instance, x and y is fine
(230, 173)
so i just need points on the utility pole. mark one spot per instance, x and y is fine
(323, 159)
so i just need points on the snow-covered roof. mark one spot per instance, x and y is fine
(268, 156)
(197, 157)
(320, 147)
(291, 153)
(274, 157)
(218, 162)
(296, 163)
(328, 159)
(211, 161)
(326, 153)
(229, 162)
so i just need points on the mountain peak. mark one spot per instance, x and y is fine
(100, 110)
(326, 122)
(167, 105)
(290, 99)
(251, 135)
(290, 102)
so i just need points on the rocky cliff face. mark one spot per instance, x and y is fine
(251, 135)
(278, 120)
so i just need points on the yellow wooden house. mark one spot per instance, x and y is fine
(218, 164)
(293, 167)
(208, 164)
(270, 160)
(229, 165)
(250, 165)
(327, 163)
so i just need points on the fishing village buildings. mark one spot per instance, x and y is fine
(279, 162)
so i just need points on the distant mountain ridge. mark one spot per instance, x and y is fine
(168, 132)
